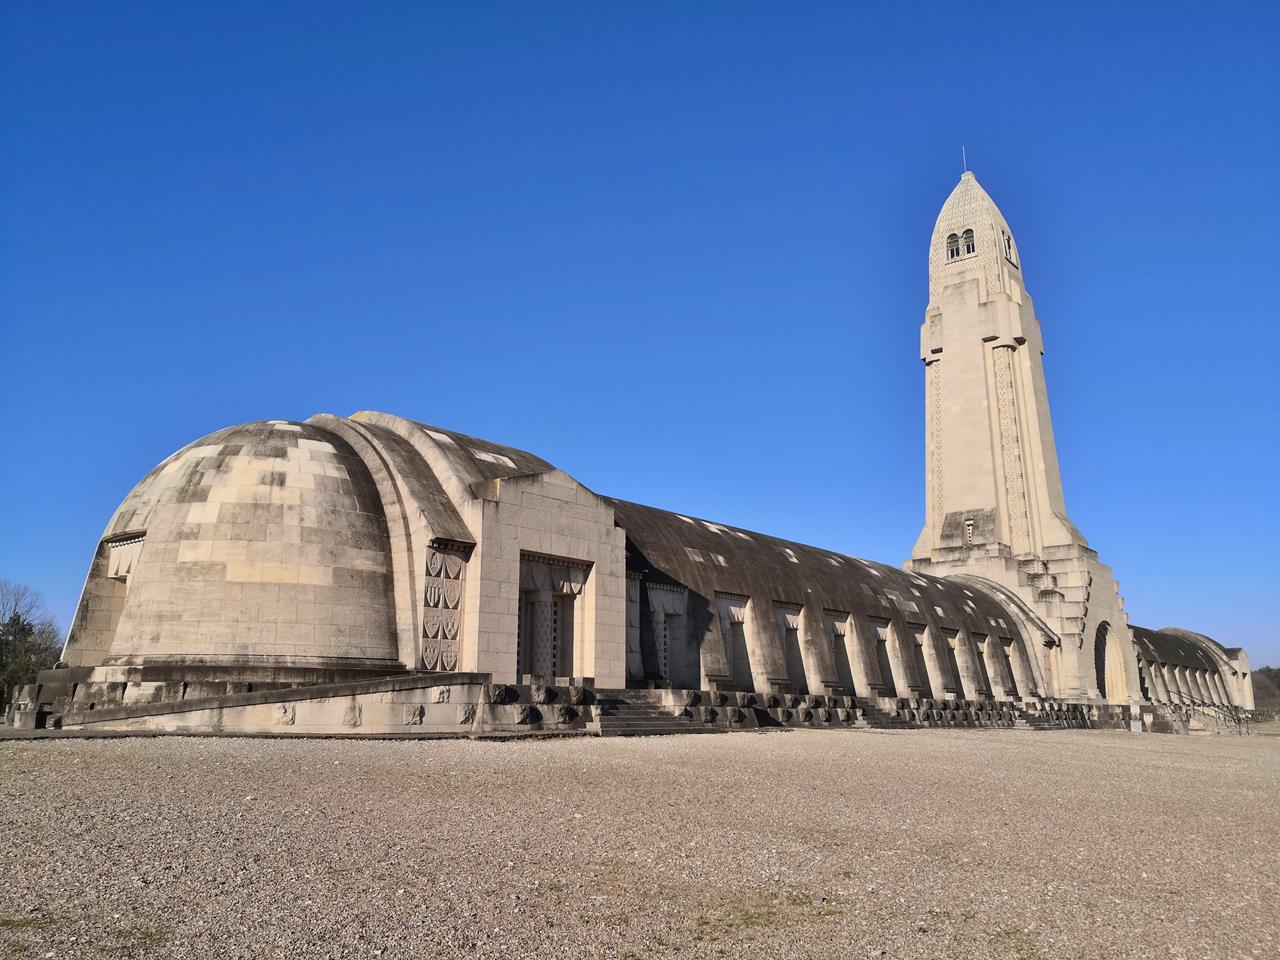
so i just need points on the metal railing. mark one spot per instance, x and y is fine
(1230, 715)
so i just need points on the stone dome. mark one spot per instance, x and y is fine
(263, 544)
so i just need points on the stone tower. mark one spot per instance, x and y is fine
(994, 506)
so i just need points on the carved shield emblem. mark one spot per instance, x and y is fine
(431, 654)
(432, 593)
(452, 592)
(449, 657)
(450, 624)
(431, 622)
(433, 563)
(452, 565)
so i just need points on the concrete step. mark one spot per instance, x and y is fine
(879, 719)
(630, 716)
(657, 731)
(645, 719)
(641, 715)
(1031, 721)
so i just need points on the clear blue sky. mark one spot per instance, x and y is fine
(678, 249)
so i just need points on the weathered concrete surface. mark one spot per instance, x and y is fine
(798, 844)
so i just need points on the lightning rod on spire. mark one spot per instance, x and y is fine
(964, 159)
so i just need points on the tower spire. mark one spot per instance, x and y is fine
(993, 466)
(994, 506)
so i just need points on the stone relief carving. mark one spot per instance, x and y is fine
(442, 610)
(544, 630)
(933, 380)
(1011, 449)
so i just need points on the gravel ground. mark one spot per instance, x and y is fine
(789, 845)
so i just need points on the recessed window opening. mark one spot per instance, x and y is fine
(952, 681)
(795, 661)
(968, 242)
(733, 615)
(968, 532)
(739, 656)
(920, 668)
(1006, 651)
(838, 624)
(984, 676)
(880, 628)
(672, 630)
(953, 247)
(788, 617)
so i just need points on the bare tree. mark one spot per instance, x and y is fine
(20, 599)
(30, 640)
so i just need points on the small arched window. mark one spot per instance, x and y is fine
(953, 247)
(968, 242)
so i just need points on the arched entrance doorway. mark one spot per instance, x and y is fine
(1100, 659)
(1111, 672)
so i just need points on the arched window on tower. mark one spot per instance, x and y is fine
(953, 247)
(968, 242)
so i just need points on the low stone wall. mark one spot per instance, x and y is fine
(469, 704)
(932, 712)
(735, 709)
(422, 704)
(744, 710)
(67, 691)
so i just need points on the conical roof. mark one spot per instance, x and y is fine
(969, 213)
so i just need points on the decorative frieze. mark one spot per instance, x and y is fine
(123, 556)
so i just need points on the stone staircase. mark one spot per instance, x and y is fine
(1053, 715)
(1027, 720)
(643, 718)
(637, 713)
(878, 719)
(1208, 719)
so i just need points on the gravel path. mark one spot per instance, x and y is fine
(791, 845)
